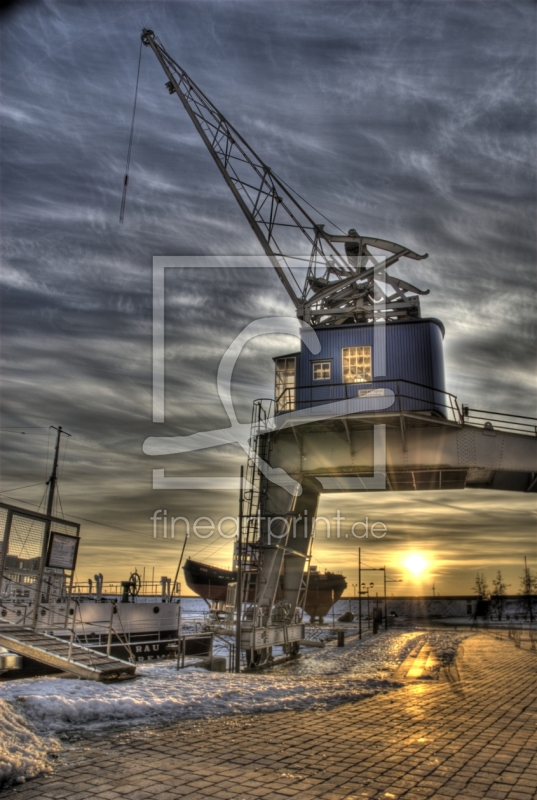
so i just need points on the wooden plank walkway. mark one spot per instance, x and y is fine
(58, 653)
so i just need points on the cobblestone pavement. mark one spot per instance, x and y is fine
(472, 735)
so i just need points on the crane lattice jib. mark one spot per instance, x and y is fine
(339, 287)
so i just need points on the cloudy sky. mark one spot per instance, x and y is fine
(411, 121)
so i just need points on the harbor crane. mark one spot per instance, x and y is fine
(361, 413)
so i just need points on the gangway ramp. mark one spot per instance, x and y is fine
(64, 655)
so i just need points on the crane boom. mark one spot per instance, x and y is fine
(339, 287)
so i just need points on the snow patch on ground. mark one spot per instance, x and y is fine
(321, 679)
(162, 693)
(23, 754)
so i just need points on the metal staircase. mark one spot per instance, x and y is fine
(253, 503)
(63, 655)
(254, 511)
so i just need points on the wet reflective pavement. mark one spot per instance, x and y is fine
(471, 734)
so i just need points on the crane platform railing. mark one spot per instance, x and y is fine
(406, 394)
(499, 421)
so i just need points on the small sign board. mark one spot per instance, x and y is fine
(371, 392)
(62, 551)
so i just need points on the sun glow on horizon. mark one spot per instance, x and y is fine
(416, 564)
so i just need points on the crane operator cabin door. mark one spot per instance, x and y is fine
(285, 384)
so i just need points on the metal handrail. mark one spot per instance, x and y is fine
(451, 405)
(501, 413)
(513, 423)
(148, 589)
(498, 420)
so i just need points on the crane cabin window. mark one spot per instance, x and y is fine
(285, 384)
(356, 364)
(321, 370)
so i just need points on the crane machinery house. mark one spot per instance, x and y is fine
(347, 294)
(411, 367)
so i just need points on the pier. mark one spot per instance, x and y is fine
(470, 735)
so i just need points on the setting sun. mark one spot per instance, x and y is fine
(415, 563)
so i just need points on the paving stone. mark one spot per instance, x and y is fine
(468, 740)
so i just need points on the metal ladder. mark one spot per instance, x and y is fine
(254, 506)
(253, 502)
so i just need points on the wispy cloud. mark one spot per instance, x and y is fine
(409, 121)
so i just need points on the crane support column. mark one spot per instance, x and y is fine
(285, 543)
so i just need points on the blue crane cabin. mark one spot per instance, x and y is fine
(357, 361)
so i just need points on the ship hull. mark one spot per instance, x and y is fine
(211, 583)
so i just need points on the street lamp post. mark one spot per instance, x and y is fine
(355, 588)
(333, 611)
(366, 592)
(385, 581)
(385, 602)
(359, 593)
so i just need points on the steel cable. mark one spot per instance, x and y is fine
(126, 178)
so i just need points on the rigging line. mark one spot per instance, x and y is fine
(212, 552)
(22, 432)
(288, 225)
(37, 416)
(42, 499)
(300, 288)
(213, 544)
(25, 432)
(126, 178)
(48, 447)
(59, 500)
(309, 204)
(31, 529)
(273, 238)
(63, 459)
(16, 488)
(85, 519)
(202, 549)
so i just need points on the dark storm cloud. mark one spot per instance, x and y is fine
(410, 121)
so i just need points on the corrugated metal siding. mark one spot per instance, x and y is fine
(414, 355)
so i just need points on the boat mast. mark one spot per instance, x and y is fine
(52, 484)
(53, 480)
(178, 568)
